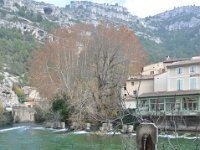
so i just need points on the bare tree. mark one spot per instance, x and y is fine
(90, 64)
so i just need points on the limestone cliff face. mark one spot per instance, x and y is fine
(177, 19)
(172, 33)
(8, 98)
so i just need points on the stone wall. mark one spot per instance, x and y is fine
(178, 123)
(23, 114)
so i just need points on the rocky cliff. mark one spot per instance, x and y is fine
(174, 32)
(8, 98)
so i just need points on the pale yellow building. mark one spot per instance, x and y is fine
(166, 89)
(176, 91)
(143, 83)
(135, 86)
(154, 69)
(184, 75)
(153, 78)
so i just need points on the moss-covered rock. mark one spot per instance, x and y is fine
(6, 118)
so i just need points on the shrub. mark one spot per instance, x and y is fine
(20, 93)
(40, 115)
(1, 108)
(6, 118)
(62, 107)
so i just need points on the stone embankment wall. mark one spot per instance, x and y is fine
(55, 125)
(179, 123)
(23, 114)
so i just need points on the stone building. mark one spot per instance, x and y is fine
(22, 113)
(170, 95)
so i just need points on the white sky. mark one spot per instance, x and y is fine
(141, 8)
(144, 8)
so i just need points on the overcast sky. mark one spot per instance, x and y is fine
(141, 8)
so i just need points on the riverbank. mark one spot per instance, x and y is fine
(37, 137)
(32, 126)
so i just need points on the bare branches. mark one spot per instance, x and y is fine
(89, 63)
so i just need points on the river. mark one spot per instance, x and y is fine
(32, 137)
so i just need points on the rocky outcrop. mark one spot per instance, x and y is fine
(174, 33)
(55, 125)
(8, 98)
(176, 19)
(6, 118)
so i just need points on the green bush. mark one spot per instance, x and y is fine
(20, 93)
(62, 107)
(16, 49)
(1, 108)
(1, 77)
(40, 115)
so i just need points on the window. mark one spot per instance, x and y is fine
(193, 69)
(193, 83)
(179, 84)
(173, 104)
(125, 87)
(151, 72)
(179, 70)
(132, 83)
(143, 105)
(157, 104)
(190, 103)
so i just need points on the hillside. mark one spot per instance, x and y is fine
(174, 33)
(178, 31)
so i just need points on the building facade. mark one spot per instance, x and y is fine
(143, 83)
(167, 94)
(134, 87)
(176, 91)
(169, 87)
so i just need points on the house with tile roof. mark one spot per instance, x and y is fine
(176, 91)
(171, 93)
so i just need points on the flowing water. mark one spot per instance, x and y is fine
(31, 137)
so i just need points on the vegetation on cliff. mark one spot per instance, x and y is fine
(15, 50)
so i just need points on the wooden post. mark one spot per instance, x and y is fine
(147, 136)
